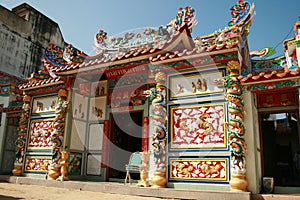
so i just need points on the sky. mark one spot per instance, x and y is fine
(80, 20)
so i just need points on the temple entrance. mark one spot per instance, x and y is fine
(126, 138)
(280, 147)
(9, 149)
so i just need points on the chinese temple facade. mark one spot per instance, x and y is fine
(200, 108)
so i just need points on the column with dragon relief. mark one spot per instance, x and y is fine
(235, 128)
(158, 120)
(20, 142)
(57, 136)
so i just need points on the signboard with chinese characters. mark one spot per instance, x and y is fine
(278, 98)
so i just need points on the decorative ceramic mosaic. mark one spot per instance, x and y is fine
(199, 169)
(37, 164)
(198, 126)
(239, 12)
(40, 134)
(74, 167)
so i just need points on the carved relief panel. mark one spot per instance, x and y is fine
(198, 126)
(199, 169)
(40, 134)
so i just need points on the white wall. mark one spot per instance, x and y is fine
(253, 147)
(3, 100)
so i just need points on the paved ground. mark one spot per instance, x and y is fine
(11, 191)
(20, 188)
(24, 188)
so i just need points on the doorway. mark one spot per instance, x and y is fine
(281, 148)
(11, 135)
(125, 138)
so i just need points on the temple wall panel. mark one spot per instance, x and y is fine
(38, 152)
(40, 134)
(87, 128)
(198, 151)
(208, 169)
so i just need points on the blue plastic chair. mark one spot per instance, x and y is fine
(133, 165)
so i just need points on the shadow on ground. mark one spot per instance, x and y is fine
(2, 197)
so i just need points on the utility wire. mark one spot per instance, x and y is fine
(281, 41)
(284, 38)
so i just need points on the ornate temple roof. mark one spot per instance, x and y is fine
(274, 75)
(8, 86)
(8, 83)
(164, 44)
(142, 52)
(14, 106)
(43, 82)
(194, 51)
(278, 69)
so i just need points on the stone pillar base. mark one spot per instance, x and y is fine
(159, 180)
(62, 178)
(17, 171)
(238, 183)
(53, 173)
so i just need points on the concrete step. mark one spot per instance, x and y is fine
(131, 189)
(275, 197)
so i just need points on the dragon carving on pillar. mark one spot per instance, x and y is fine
(57, 134)
(21, 140)
(236, 128)
(159, 121)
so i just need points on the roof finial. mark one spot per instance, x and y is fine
(239, 11)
